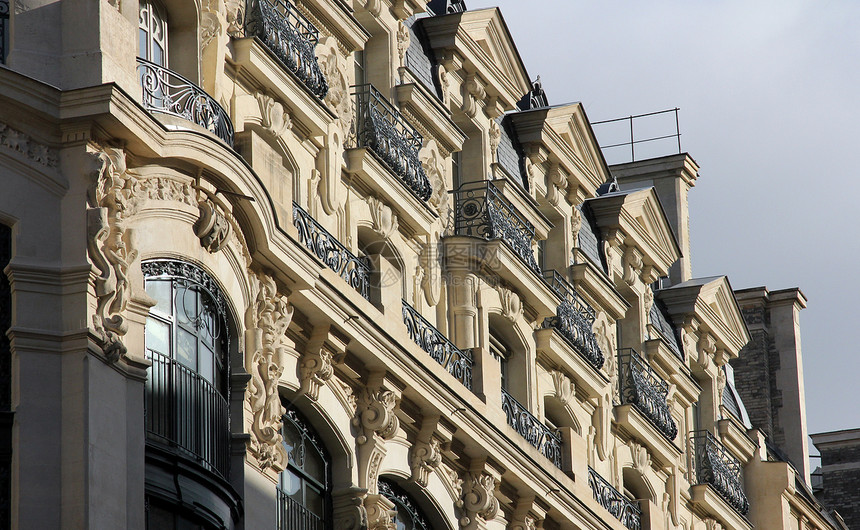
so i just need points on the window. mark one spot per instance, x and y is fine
(456, 165)
(360, 73)
(501, 353)
(304, 491)
(187, 342)
(152, 33)
(408, 516)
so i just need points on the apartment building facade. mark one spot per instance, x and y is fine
(339, 264)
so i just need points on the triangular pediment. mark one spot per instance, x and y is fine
(487, 28)
(711, 301)
(640, 217)
(575, 126)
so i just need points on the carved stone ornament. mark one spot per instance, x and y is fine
(384, 219)
(110, 246)
(402, 42)
(380, 513)
(479, 502)
(435, 170)
(602, 427)
(673, 492)
(641, 458)
(712, 524)
(632, 264)
(512, 307)
(721, 383)
(526, 523)
(649, 298)
(266, 322)
(317, 363)
(333, 66)
(495, 137)
(556, 184)
(431, 267)
(707, 348)
(604, 333)
(575, 225)
(472, 92)
(425, 457)
(348, 509)
(212, 227)
(14, 140)
(274, 117)
(564, 388)
(375, 423)
(444, 84)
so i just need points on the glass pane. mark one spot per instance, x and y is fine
(142, 38)
(186, 348)
(292, 439)
(157, 336)
(313, 500)
(291, 484)
(157, 54)
(186, 305)
(314, 464)
(206, 365)
(159, 290)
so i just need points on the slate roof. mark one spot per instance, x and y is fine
(419, 56)
(660, 320)
(509, 152)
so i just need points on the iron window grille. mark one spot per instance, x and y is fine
(716, 466)
(167, 92)
(407, 514)
(574, 319)
(625, 510)
(304, 488)
(380, 127)
(290, 37)
(544, 439)
(187, 342)
(456, 361)
(481, 210)
(641, 387)
(354, 270)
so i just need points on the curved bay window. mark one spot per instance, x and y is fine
(408, 516)
(187, 342)
(304, 491)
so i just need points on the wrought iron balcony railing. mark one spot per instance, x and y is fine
(355, 270)
(458, 362)
(185, 411)
(293, 515)
(547, 441)
(716, 466)
(641, 387)
(167, 92)
(381, 128)
(290, 37)
(574, 319)
(624, 509)
(482, 211)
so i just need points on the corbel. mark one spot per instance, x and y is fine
(325, 349)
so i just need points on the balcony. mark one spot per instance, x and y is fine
(381, 128)
(482, 211)
(456, 361)
(645, 390)
(290, 37)
(624, 509)
(355, 270)
(167, 92)
(293, 515)
(717, 467)
(574, 319)
(536, 433)
(184, 410)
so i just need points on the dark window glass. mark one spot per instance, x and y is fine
(304, 491)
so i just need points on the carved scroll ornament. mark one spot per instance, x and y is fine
(479, 500)
(266, 322)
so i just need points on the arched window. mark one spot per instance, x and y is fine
(408, 515)
(152, 33)
(304, 491)
(187, 341)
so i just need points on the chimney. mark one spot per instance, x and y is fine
(672, 177)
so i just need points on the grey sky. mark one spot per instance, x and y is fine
(769, 96)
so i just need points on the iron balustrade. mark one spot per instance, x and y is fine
(290, 37)
(186, 411)
(381, 128)
(481, 210)
(641, 387)
(355, 270)
(716, 466)
(456, 361)
(169, 93)
(574, 319)
(547, 441)
(624, 509)
(293, 515)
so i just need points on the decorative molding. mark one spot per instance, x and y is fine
(640, 456)
(402, 42)
(380, 512)
(435, 171)
(375, 423)
(317, 363)
(556, 184)
(604, 334)
(212, 227)
(602, 420)
(632, 264)
(110, 246)
(526, 523)
(479, 502)
(425, 458)
(512, 307)
(333, 66)
(431, 270)
(275, 118)
(15, 140)
(495, 136)
(266, 322)
(384, 219)
(563, 386)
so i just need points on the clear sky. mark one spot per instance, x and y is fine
(769, 93)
